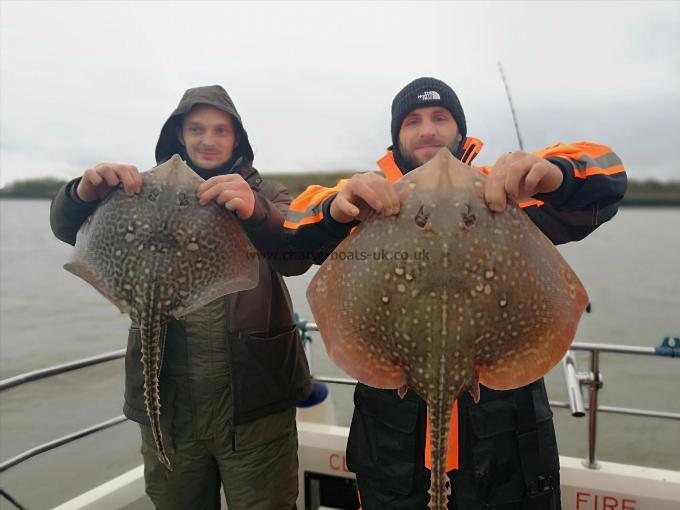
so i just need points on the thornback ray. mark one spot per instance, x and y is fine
(446, 295)
(159, 255)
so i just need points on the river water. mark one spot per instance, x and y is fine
(630, 268)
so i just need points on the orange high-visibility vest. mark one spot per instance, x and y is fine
(451, 445)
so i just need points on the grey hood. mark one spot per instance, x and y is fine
(213, 95)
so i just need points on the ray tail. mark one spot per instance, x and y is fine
(152, 333)
(440, 488)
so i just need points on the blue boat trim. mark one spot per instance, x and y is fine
(670, 347)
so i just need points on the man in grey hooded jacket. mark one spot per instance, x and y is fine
(233, 370)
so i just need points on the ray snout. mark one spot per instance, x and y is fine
(443, 173)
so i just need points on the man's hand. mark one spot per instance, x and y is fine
(99, 181)
(518, 176)
(231, 191)
(361, 195)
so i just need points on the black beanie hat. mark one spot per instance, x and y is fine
(422, 93)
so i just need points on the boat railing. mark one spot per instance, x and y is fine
(44, 373)
(575, 381)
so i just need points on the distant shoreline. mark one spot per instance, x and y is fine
(633, 203)
(650, 203)
(639, 194)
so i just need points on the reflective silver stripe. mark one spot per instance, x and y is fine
(603, 162)
(607, 161)
(297, 217)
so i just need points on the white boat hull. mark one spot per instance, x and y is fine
(612, 487)
(322, 452)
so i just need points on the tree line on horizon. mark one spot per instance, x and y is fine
(640, 192)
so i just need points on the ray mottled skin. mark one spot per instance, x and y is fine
(454, 295)
(159, 255)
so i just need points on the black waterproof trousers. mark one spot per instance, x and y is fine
(508, 451)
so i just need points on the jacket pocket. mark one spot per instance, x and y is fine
(496, 464)
(265, 371)
(383, 438)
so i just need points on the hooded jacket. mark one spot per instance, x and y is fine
(266, 364)
(212, 95)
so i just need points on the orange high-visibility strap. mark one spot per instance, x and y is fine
(302, 209)
(593, 170)
(451, 446)
(471, 148)
(529, 203)
(389, 167)
(574, 150)
(305, 221)
(594, 159)
(314, 195)
(597, 159)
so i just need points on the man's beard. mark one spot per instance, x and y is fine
(409, 160)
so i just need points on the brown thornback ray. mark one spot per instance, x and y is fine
(445, 295)
(160, 255)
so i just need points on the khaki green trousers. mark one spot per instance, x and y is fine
(260, 473)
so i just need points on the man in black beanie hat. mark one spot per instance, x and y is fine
(220, 428)
(426, 93)
(502, 451)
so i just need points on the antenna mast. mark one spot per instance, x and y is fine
(512, 108)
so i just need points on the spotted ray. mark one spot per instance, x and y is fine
(160, 255)
(446, 295)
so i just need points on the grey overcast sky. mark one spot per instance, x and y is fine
(83, 83)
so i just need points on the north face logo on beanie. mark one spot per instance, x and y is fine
(430, 95)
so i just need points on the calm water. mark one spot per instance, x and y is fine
(630, 267)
